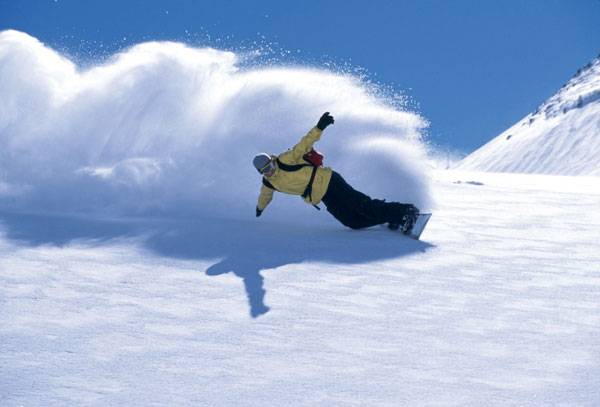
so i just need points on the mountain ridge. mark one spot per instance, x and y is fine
(561, 136)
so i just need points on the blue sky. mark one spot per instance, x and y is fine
(474, 67)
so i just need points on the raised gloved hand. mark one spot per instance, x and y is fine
(258, 212)
(325, 121)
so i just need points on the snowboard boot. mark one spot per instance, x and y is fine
(403, 217)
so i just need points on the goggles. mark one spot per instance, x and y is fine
(270, 165)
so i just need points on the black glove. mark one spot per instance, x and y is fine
(325, 121)
(258, 212)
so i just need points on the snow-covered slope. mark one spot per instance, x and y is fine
(561, 137)
(499, 305)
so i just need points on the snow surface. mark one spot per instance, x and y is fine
(499, 304)
(561, 137)
(190, 300)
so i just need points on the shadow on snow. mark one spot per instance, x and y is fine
(244, 247)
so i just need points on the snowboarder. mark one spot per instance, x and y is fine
(296, 172)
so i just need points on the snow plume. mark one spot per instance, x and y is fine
(166, 128)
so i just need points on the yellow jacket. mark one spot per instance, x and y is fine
(295, 182)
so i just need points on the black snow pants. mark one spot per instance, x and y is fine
(357, 210)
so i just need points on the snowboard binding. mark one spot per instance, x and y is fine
(407, 222)
(411, 222)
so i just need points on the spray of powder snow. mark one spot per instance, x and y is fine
(170, 129)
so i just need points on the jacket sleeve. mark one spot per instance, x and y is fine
(266, 195)
(304, 145)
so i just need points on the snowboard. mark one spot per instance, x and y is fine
(419, 225)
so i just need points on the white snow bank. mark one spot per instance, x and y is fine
(166, 128)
